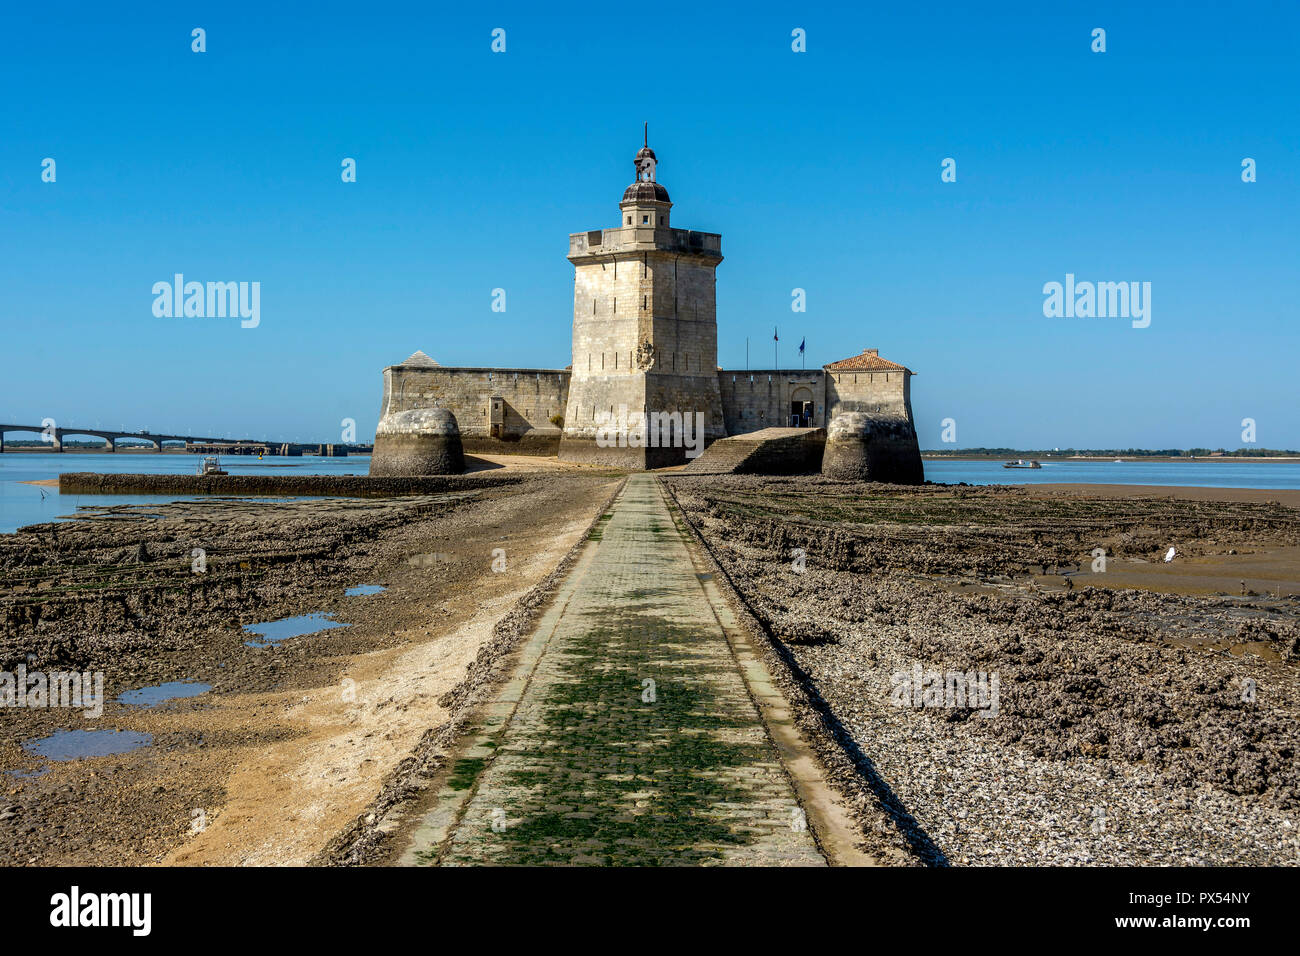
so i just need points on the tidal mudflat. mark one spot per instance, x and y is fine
(1135, 710)
(292, 742)
(1115, 707)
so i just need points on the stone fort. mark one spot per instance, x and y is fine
(645, 342)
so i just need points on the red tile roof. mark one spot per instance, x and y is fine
(868, 361)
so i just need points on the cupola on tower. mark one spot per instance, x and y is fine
(645, 203)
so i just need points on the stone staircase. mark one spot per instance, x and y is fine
(769, 451)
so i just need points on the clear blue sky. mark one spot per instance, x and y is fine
(821, 170)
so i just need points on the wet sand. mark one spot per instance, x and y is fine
(1290, 497)
(1250, 569)
(512, 463)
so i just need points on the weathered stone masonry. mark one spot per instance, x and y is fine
(507, 409)
(645, 340)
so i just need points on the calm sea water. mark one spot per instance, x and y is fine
(1207, 474)
(22, 504)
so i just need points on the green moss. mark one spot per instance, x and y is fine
(628, 781)
(465, 772)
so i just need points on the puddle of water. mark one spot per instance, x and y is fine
(1258, 648)
(363, 590)
(161, 693)
(273, 632)
(75, 744)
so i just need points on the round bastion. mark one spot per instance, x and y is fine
(864, 447)
(422, 441)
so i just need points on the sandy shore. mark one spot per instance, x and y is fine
(293, 741)
(483, 462)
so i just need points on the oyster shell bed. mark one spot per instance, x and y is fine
(1133, 726)
(117, 589)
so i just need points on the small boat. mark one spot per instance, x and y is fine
(1021, 463)
(211, 465)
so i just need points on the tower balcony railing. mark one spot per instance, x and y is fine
(598, 241)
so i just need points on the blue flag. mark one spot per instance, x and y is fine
(801, 345)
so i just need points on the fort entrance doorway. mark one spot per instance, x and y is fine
(802, 409)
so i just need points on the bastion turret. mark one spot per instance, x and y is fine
(420, 440)
(871, 435)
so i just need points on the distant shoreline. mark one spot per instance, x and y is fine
(23, 450)
(137, 450)
(926, 456)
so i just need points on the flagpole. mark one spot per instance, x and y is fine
(746, 353)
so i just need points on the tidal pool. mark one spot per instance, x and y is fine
(75, 744)
(273, 632)
(161, 693)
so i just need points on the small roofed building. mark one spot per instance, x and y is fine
(868, 383)
(871, 435)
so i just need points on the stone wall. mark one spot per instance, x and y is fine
(529, 398)
(734, 402)
(684, 374)
(872, 436)
(860, 447)
(762, 398)
(637, 287)
(421, 441)
(888, 394)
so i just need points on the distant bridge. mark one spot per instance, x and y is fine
(54, 436)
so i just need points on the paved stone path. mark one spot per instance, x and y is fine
(583, 760)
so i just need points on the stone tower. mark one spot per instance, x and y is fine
(645, 335)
